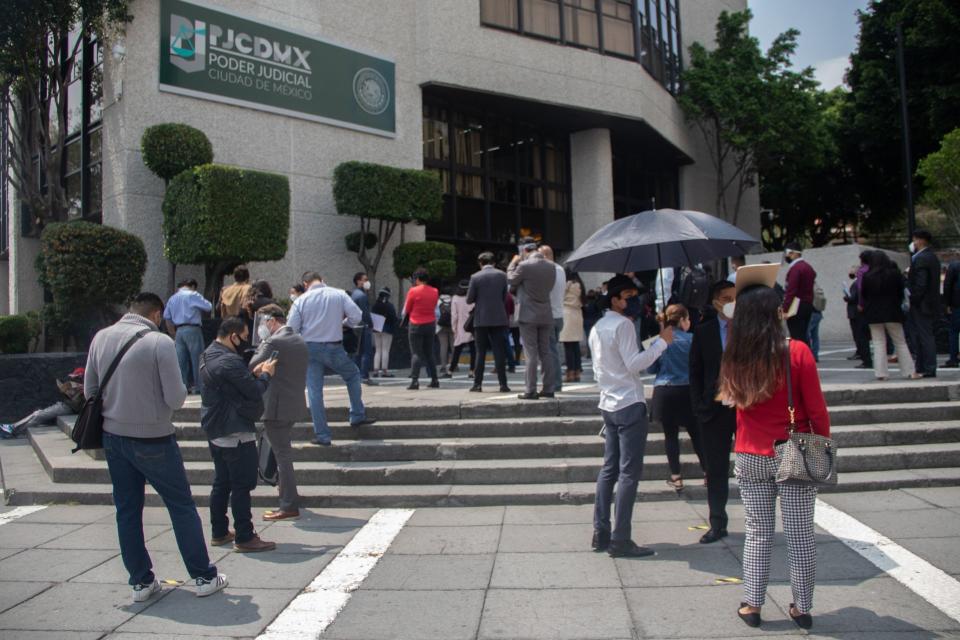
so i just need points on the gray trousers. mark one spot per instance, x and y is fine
(536, 350)
(625, 435)
(278, 435)
(555, 352)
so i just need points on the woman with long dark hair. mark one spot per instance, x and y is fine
(572, 333)
(671, 392)
(753, 379)
(881, 298)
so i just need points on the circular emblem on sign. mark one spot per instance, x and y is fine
(371, 91)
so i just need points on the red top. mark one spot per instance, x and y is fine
(800, 279)
(759, 426)
(421, 304)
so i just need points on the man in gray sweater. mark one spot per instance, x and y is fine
(139, 443)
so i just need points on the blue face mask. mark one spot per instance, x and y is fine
(634, 307)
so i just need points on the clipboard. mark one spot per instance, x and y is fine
(378, 321)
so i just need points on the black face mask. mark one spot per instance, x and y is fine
(853, 276)
(788, 259)
(240, 345)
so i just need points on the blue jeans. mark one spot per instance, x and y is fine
(555, 352)
(364, 357)
(133, 463)
(323, 356)
(189, 343)
(813, 333)
(235, 476)
(954, 335)
(626, 441)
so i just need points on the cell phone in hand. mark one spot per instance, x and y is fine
(274, 355)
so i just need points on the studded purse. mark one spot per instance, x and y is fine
(805, 458)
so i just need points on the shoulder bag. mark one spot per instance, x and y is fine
(267, 461)
(804, 458)
(87, 432)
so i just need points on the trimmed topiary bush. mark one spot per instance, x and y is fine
(88, 269)
(171, 148)
(352, 241)
(14, 334)
(221, 216)
(436, 257)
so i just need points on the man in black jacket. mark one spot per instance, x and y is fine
(951, 298)
(232, 401)
(488, 291)
(924, 284)
(717, 422)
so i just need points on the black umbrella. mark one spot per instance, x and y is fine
(656, 239)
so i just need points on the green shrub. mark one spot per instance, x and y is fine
(88, 269)
(353, 241)
(169, 149)
(14, 334)
(387, 193)
(221, 216)
(436, 257)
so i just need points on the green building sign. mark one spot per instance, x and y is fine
(216, 55)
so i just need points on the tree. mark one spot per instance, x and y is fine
(39, 47)
(746, 105)
(872, 143)
(941, 175)
(221, 216)
(387, 196)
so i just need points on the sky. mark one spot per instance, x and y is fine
(828, 32)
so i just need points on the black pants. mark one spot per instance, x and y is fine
(457, 350)
(921, 340)
(572, 356)
(421, 346)
(671, 407)
(517, 347)
(716, 435)
(496, 336)
(861, 338)
(235, 476)
(799, 325)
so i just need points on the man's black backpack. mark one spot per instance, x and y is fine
(445, 319)
(694, 290)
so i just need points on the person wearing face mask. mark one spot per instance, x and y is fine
(361, 296)
(717, 422)
(295, 292)
(284, 402)
(924, 284)
(139, 442)
(618, 364)
(800, 282)
(232, 400)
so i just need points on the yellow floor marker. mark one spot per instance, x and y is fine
(728, 581)
(699, 527)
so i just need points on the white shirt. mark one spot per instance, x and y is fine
(556, 294)
(618, 361)
(234, 440)
(318, 314)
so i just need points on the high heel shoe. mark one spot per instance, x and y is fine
(804, 620)
(751, 619)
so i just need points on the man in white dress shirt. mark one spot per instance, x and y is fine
(618, 364)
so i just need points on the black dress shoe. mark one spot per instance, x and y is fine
(528, 396)
(601, 540)
(434, 384)
(544, 394)
(950, 364)
(476, 388)
(628, 549)
(363, 423)
(804, 620)
(504, 389)
(322, 443)
(713, 535)
(752, 619)
(413, 386)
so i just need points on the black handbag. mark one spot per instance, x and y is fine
(87, 432)
(804, 458)
(267, 461)
(468, 323)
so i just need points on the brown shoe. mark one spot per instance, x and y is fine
(222, 540)
(281, 515)
(253, 545)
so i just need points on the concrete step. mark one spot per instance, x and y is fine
(519, 447)
(412, 496)
(899, 412)
(52, 448)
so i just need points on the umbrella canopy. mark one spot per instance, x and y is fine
(662, 238)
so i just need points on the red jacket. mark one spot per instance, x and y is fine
(759, 426)
(800, 279)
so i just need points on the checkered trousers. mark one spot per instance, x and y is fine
(759, 491)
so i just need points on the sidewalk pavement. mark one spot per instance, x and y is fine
(491, 572)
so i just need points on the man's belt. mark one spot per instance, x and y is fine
(180, 326)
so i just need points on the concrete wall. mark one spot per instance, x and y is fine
(832, 265)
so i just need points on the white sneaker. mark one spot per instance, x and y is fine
(142, 592)
(207, 587)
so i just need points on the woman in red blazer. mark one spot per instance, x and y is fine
(753, 378)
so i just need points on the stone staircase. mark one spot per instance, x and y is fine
(512, 452)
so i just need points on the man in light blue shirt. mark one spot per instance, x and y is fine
(318, 315)
(182, 314)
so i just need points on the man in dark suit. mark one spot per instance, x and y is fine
(488, 291)
(717, 422)
(800, 280)
(924, 284)
(951, 298)
(284, 402)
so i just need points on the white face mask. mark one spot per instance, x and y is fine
(912, 247)
(293, 296)
(263, 331)
(728, 310)
(366, 286)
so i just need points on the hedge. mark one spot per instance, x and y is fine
(438, 258)
(215, 213)
(387, 193)
(88, 268)
(169, 149)
(14, 334)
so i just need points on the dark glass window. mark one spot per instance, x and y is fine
(641, 181)
(647, 31)
(506, 178)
